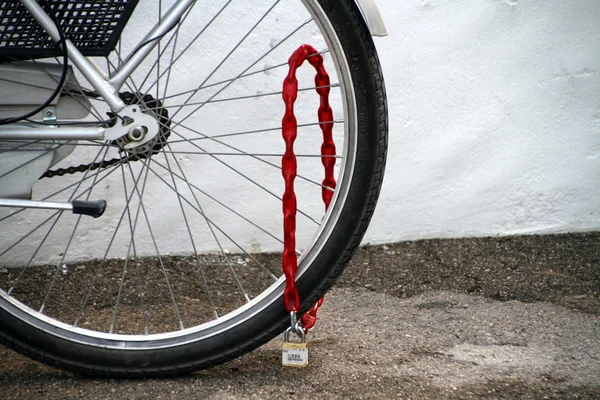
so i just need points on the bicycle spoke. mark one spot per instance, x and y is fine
(67, 81)
(131, 246)
(42, 307)
(25, 236)
(173, 61)
(158, 45)
(213, 138)
(199, 264)
(254, 96)
(92, 109)
(209, 227)
(21, 145)
(256, 157)
(59, 214)
(170, 63)
(229, 55)
(131, 225)
(212, 153)
(28, 84)
(223, 205)
(171, 38)
(30, 161)
(243, 75)
(250, 132)
(140, 282)
(160, 258)
(22, 273)
(140, 287)
(208, 219)
(251, 180)
(236, 278)
(99, 268)
(243, 72)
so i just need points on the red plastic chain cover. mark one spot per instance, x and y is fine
(289, 168)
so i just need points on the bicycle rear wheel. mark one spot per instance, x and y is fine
(183, 271)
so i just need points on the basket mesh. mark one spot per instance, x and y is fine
(93, 26)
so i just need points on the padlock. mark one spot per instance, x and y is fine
(294, 354)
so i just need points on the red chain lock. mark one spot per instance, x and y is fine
(289, 169)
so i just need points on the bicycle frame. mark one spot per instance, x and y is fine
(107, 87)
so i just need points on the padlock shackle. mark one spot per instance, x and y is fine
(301, 335)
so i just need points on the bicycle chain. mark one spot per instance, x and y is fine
(129, 99)
(51, 173)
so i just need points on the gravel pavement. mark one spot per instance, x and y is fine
(493, 318)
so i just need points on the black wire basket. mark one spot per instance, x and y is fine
(93, 26)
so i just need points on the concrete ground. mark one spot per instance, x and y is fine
(493, 318)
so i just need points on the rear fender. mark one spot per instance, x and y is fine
(372, 17)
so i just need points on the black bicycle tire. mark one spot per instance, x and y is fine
(34, 342)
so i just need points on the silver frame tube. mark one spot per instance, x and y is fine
(108, 89)
(95, 76)
(170, 19)
(49, 133)
(50, 205)
(105, 89)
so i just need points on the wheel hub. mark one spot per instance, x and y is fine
(135, 142)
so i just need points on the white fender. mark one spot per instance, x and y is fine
(372, 17)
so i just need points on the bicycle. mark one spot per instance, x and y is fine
(174, 143)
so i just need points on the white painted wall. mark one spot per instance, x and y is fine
(494, 118)
(494, 130)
